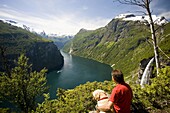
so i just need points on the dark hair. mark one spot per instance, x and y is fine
(117, 75)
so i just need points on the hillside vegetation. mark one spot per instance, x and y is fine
(123, 43)
(151, 99)
(41, 52)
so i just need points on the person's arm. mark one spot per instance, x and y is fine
(106, 107)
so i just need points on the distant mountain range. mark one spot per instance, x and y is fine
(59, 40)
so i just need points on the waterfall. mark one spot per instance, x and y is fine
(145, 76)
(71, 48)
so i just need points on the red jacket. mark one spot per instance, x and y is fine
(121, 97)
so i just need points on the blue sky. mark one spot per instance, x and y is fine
(69, 16)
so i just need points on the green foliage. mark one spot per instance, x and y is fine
(156, 95)
(158, 91)
(5, 110)
(77, 100)
(23, 86)
(164, 40)
(47, 106)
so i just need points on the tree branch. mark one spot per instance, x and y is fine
(133, 2)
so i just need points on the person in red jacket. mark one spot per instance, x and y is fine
(121, 96)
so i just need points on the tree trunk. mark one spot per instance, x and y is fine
(154, 40)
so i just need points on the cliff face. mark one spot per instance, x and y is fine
(41, 52)
(45, 54)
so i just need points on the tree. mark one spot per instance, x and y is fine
(146, 5)
(3, 58)
(23, 86)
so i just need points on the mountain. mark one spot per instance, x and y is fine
(121, 43)
(59, 40)
(41, 52)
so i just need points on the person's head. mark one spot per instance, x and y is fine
(117, 76)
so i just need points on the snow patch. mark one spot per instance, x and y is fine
(159, 20)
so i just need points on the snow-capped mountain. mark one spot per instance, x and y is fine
(145, 19)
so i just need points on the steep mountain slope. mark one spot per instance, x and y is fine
(120, 43)
(41, 52)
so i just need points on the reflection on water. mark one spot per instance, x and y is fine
(76, 71)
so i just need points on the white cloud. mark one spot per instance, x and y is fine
(166, 15)
(4, 5)
(85, 8)
(63, 24)
(94, 23)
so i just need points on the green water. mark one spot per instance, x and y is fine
(76, 71)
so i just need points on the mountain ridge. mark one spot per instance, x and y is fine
(119, 42)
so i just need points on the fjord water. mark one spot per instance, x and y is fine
(76, 71)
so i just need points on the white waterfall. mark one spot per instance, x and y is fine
(145, 76)
(71, 48)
